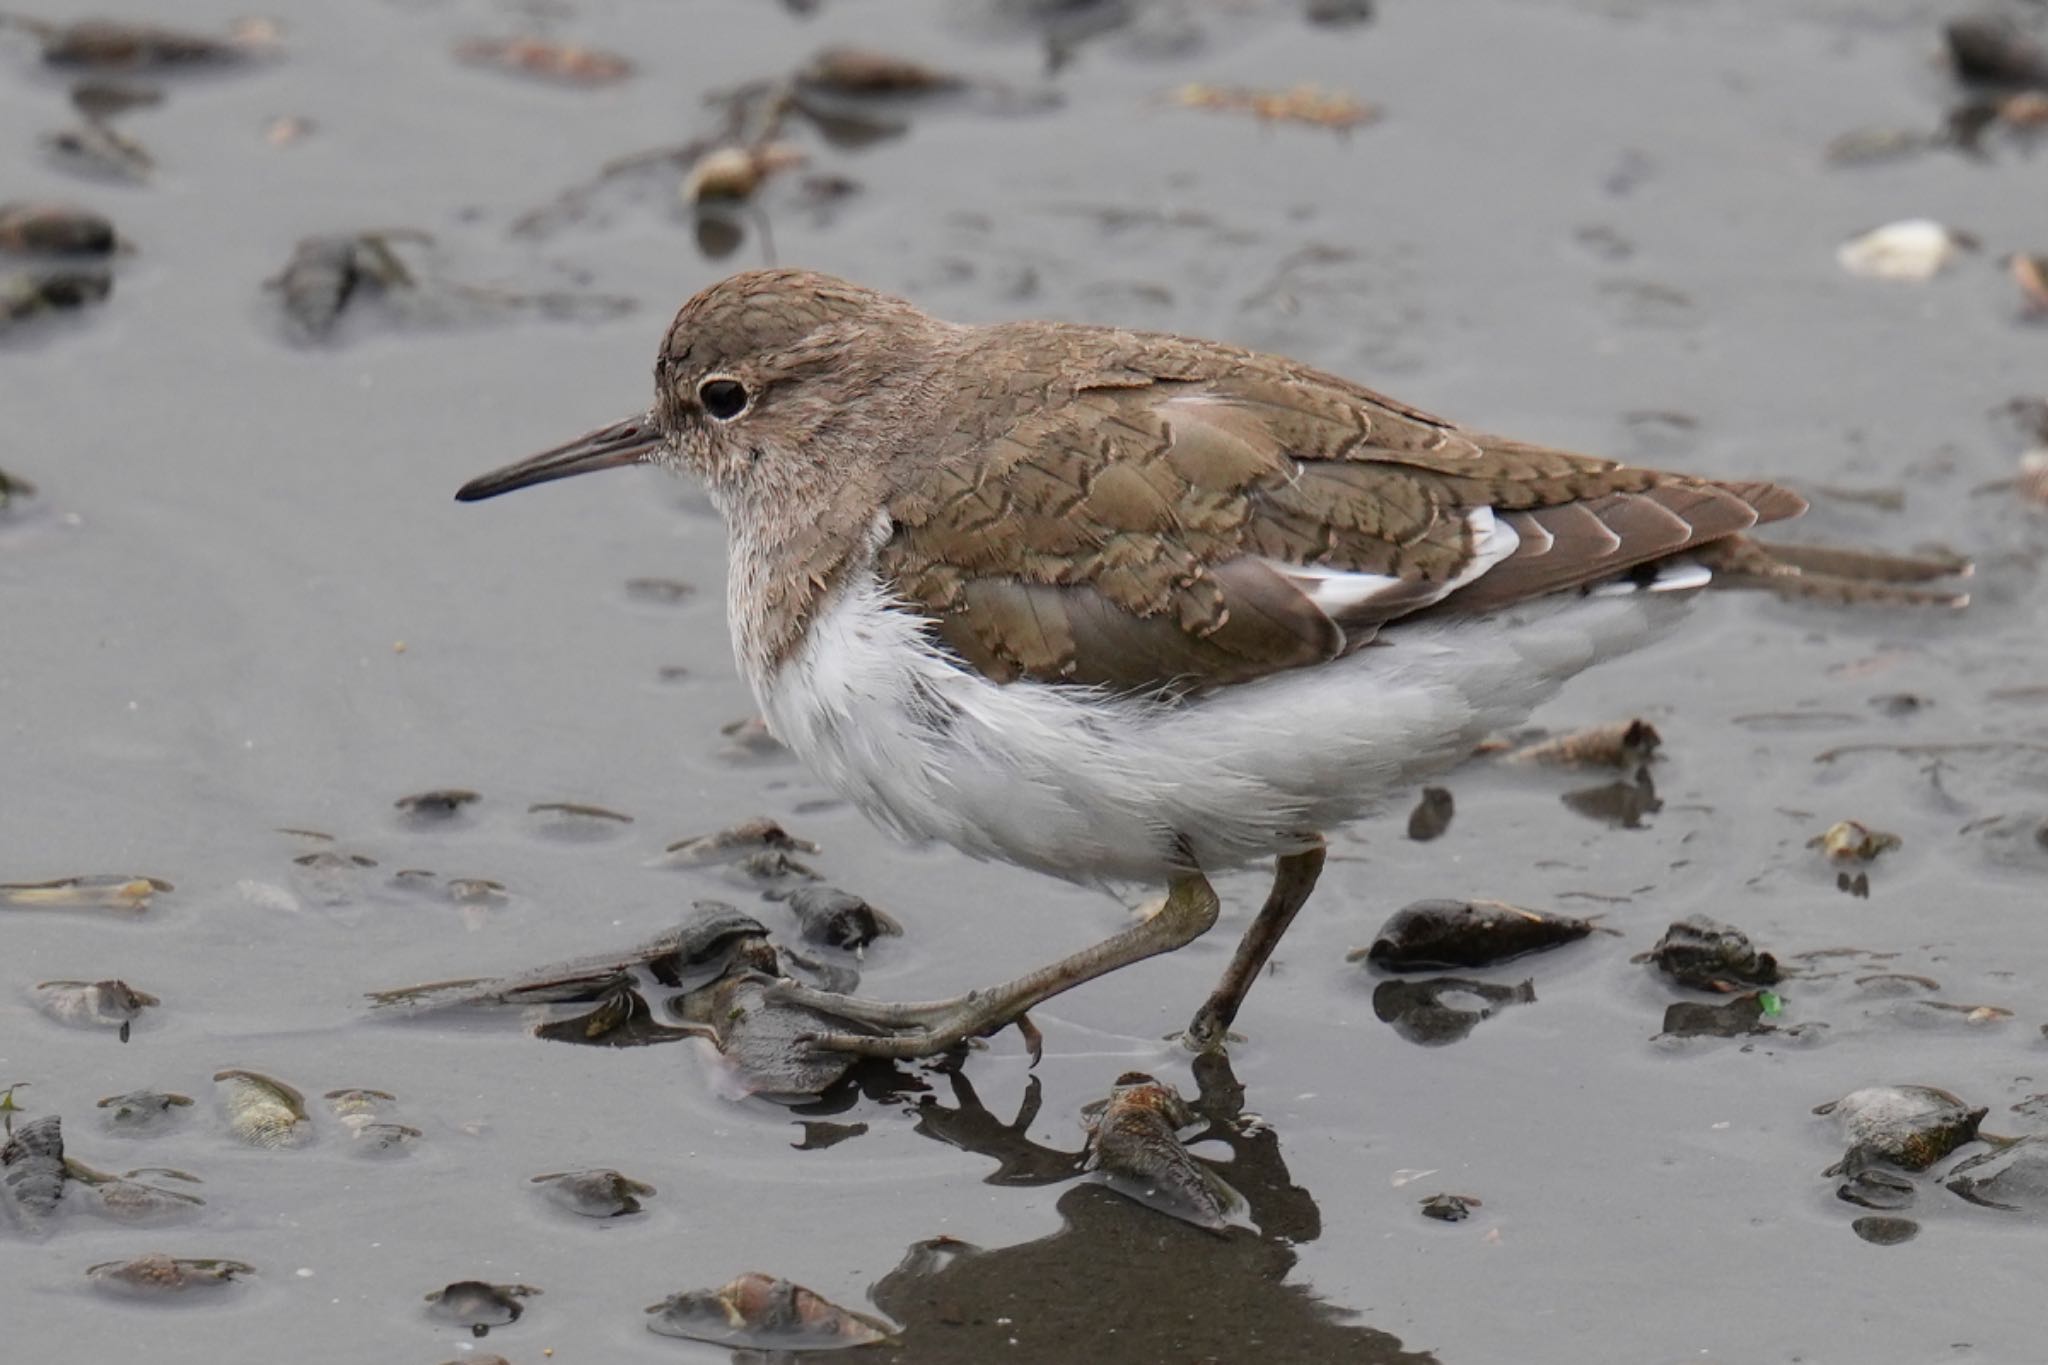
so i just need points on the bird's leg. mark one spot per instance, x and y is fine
(1294, 876)
(937, 1025)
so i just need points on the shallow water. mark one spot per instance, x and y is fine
(245, 601)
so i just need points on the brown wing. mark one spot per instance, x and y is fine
(1192, 516)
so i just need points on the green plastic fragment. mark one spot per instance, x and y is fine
(1771, 1003)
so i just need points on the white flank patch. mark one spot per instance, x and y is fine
(1071, 781)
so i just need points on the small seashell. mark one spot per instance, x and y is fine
(748, 836)
(261, 1111)
(862, 71)
(1304, 103)
(562, 63)
(1432, 814)
(1622, 744)
(840, 919)
(2032, 481)
(600, 1193)
(32, 1170)
(156, 1274)
(118, 892)
(733, 173)
(94, 1004)
(143, 1111)
(437, 804)
(764, 1312)
(479, 1306)
(1912, 250)
(1850, 841)
(55, 230)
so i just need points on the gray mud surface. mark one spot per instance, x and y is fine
(245, 601)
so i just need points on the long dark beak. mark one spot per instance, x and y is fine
(629, 442)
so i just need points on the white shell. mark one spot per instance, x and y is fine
(1912, 250)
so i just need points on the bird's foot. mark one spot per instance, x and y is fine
(912, 1029)
(1208, 1032)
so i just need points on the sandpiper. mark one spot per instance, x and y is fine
(1124, 606)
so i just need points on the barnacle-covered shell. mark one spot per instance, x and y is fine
(1908, 1126)
(1134, 1143)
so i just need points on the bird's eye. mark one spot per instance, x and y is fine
(724, 399)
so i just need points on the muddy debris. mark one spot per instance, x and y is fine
(2013, 1176)
(262, 1111)
(98, 150)
(662, 592)
(764, 1312)
(1907, 1126)
(13, 489)
(32, 1172)
(1993, 50)
(1431, 935)
(104, 892)
(326, 272)
(1619, 744)
(94, 1004)
(478, 1305)
(726, 845)
(158, 1276)
(1305, 103)
(1885, 1191)
(439, 804)
(1449, 1208)
(1135, 1147)
(840, 919)
(1737, 1017)
(1850, 842)
(1707, 955)
(48, 229)
(1444, 1009)
(1432, 814)
(140, 1112)
(1910, 251)
(858, 71)
(27, 296)
(569, 64)
(100, 98)
(600, 1193)
(116, 45)
(1885, 1232)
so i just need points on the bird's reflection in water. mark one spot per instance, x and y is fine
(1119, 1281)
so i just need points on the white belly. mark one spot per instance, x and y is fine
(1059, 778)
